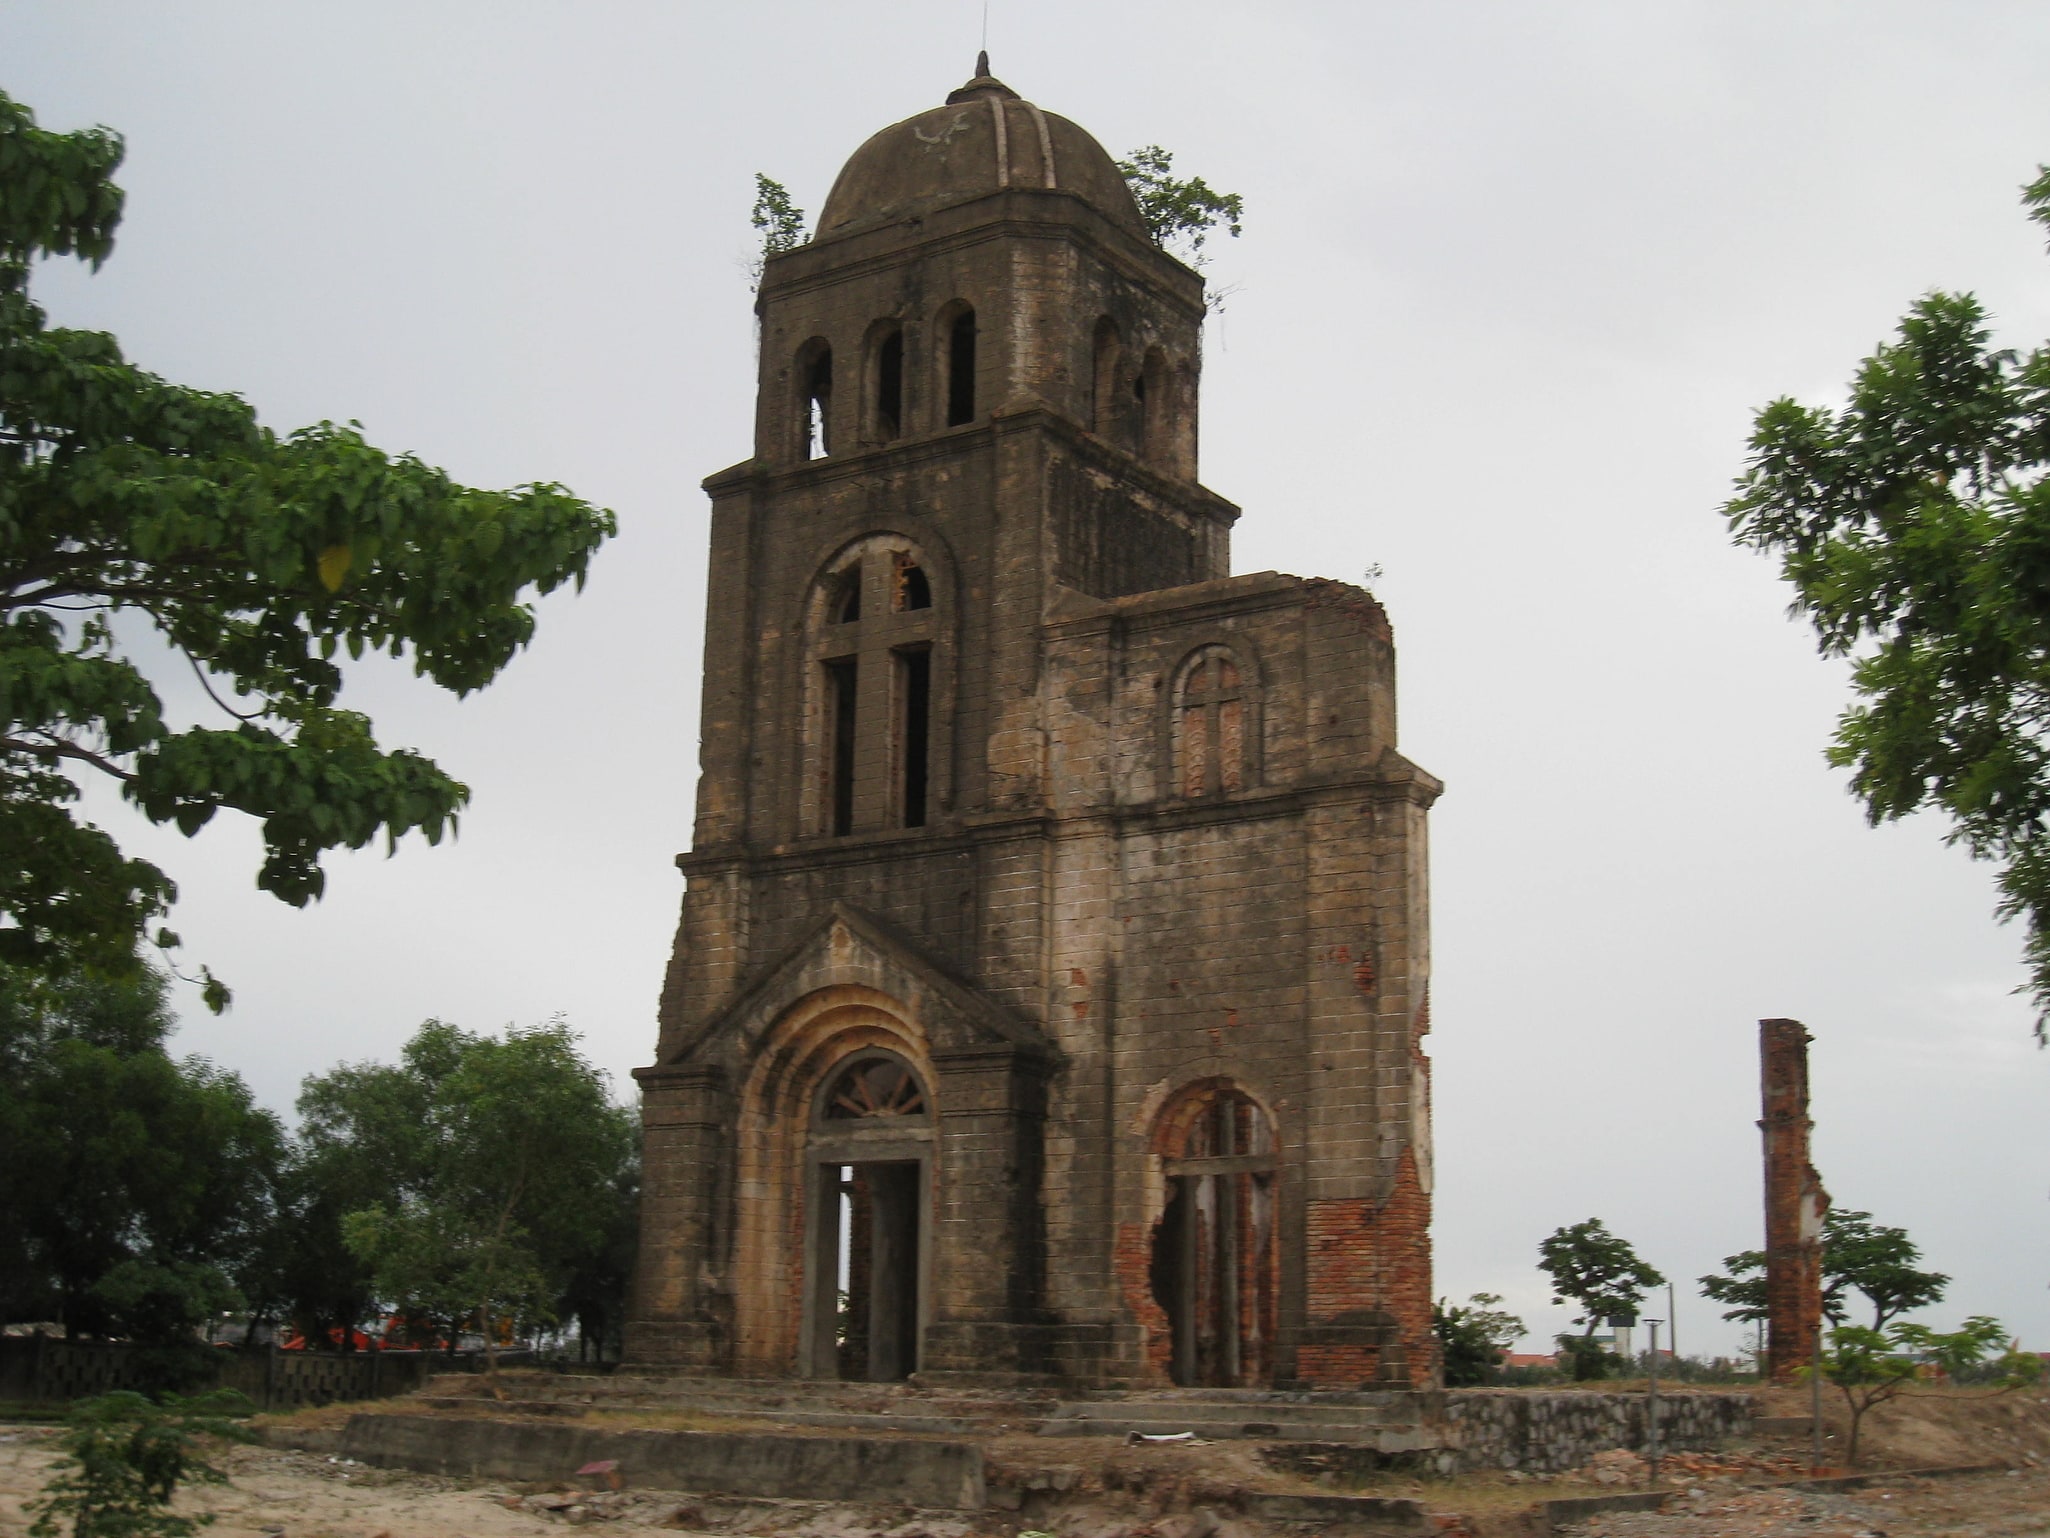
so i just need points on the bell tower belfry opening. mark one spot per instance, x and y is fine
(1049, 997)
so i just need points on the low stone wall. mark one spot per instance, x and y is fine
(39, 1370)
(826, 1468)
(1550, 1433)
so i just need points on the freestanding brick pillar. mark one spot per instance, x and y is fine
(1794, 1201)
(1053, 972)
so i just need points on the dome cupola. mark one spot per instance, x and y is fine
(985, 139)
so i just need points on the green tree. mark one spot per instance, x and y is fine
(1868, 1369)
(253, 557)
(1472, 1336)
(502, 1159)
(1599, 1273)
(1857, 1254)
(1914, 525)
(1958, 1350)
(137, 1185)
(124, 1458)
(778, 220)
(1179, 213)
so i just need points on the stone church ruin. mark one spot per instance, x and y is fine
(1048, 999)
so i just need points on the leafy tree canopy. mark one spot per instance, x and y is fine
(778, 220)
(1472, 1336)
(256, 558)
(1857, 1254)
(137, 1186)
(1179, 213)
(1596, 1271)
(492, 1169)
(1914, 525)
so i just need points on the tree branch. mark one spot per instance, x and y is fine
(58, 747)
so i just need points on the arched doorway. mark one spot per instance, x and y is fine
(868, 1163)
(1213, 1262)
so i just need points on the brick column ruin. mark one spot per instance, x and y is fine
(1794, 1201)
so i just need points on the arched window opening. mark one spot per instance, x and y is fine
(1103, 406)
(961, 369)
(1213, 1264)
(816, 400)
(888, 421)
(1210, 725)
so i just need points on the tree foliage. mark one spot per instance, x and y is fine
(501, 1166)
(138, 1188)
(1596, 1271)
(1180, 213)
(1914, 525)
(1472, 1336)
(1857, 1254)
(130, 505)
(778, 220)
(124, 1458)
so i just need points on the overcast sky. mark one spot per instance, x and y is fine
(1514, 278)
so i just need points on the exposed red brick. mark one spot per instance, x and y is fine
(1794, 1201)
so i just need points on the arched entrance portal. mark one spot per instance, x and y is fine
(1213, 1263)
(868, 1163)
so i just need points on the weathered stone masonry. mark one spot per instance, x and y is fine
(1055, 954)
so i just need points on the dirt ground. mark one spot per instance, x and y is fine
(1099, 1488)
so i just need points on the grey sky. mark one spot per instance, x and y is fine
(1513, 279)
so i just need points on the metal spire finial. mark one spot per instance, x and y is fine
(982, 64)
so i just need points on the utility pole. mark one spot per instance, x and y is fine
(1815, 1404)
(1651, 1402)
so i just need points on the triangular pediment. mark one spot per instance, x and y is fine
(847, 947)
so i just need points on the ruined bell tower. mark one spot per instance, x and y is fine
(1050, 988)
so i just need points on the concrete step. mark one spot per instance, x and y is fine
(1199, 1412)
(1257, 1396)
(1384, 1438)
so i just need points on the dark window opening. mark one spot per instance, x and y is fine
(890, 387)
(840, 682)
(1103, 404)
(961, 370)
(1155, 394)
(847, 599)
(914, 675)
(818, 405)
(913, 590)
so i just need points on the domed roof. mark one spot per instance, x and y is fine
(985, 138)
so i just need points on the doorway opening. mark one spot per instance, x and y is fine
(874, 1212)
(1213, 1261)
(870, 1155)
